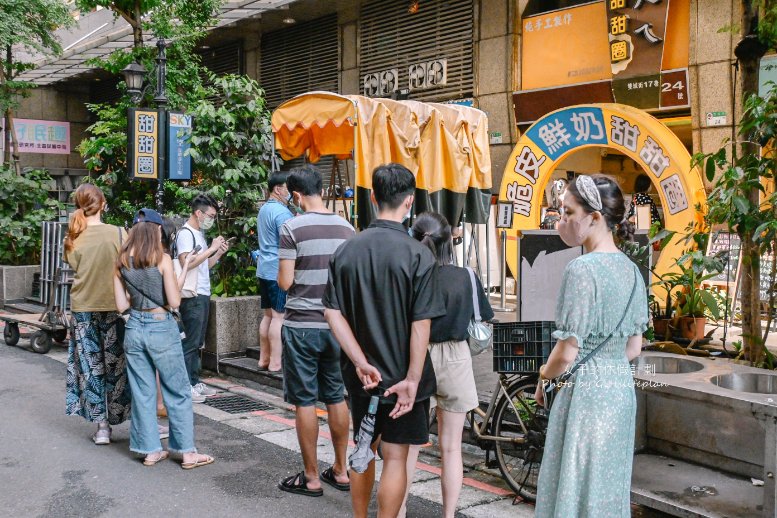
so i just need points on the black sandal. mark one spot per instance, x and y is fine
(328, 476)
(298, 484)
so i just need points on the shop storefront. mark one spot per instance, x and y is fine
(630, 52)
(604, 88)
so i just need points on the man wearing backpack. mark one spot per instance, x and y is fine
(194, 309)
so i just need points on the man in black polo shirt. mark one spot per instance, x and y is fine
(380, 299)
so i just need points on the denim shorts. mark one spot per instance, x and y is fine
(272, 296)
(311, 367)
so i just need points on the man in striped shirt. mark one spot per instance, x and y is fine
(311, 355)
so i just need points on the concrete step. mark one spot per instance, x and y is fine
(680, 488)
(252, 352)
(247, 368)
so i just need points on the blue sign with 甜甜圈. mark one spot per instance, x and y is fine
(178, 138)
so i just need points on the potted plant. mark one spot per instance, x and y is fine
(696, 302)
(668, 282)
(662, 317)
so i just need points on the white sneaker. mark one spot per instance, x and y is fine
(102, 436)
(164, 431)
(196, 396)
(205, 390)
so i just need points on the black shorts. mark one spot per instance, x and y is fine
(411, 428)
(311, 367)
(271, 296)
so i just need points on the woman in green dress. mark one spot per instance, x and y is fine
(586, 465)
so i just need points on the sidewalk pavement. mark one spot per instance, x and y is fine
(484, 493)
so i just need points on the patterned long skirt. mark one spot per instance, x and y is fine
(97, 387)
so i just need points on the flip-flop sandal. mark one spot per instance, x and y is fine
(150, 462)
(298, 484)
(328, 476)
(192, 465)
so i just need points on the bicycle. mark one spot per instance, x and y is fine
(513, 425)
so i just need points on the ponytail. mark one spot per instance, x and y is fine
(75, 227)
(89, 200)
(433, 231)
(625, 230)
(428, 241)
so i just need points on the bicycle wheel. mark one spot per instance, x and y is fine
(519, 419)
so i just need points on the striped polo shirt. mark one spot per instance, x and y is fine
(310, 240)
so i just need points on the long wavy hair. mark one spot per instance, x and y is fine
(89, 200)
(145, 243)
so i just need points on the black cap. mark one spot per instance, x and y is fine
(147, 215)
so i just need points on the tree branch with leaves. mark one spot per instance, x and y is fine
(24, 26)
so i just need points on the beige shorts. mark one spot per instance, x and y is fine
(452, 363)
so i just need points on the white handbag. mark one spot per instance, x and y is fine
(480, 333)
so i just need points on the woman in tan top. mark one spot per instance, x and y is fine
(97, 387)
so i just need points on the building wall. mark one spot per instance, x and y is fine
(49, 103)
(497, 75)
(711, 72)
(494, 76)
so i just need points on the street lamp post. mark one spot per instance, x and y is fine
(133, 78)
(161, 103)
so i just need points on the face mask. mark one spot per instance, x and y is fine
(408, 215)
(574, 232)
(207, 223)
(289, 197)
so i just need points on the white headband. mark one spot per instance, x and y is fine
(589, 192)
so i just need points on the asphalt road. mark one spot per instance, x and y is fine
(50, 468)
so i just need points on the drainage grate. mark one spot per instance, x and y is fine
(234, 404)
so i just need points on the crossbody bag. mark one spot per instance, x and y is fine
(552, 386)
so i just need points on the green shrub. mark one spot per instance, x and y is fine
(24, 205)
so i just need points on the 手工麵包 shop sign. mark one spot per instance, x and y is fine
(625, 129)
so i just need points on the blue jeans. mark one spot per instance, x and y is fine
(152, 344)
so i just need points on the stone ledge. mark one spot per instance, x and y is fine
(16, 282)
(233, 325)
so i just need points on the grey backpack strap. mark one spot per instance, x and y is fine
(475, 303)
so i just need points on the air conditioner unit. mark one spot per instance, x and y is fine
(371, 84)
(417, 76)
(436, 73)
(389, 81)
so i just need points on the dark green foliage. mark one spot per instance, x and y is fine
(24, 205)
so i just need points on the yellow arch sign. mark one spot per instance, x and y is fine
(623, 128)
